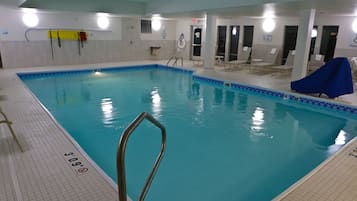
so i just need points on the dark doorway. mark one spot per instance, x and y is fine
(233, 45)
(196, 41)
(328, 41)
(313, 42)
(248, 32)
(290, 37)
(221, 41)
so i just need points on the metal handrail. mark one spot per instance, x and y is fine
(121, 155)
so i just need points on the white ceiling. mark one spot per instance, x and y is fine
(195, 8)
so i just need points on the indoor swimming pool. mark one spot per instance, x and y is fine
(225, 141)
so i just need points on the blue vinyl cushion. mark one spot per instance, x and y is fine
(333, 79)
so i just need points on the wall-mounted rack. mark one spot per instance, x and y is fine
(61, 29)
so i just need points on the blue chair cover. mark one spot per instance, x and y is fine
(333, 79)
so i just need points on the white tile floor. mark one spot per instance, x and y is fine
(42, 172)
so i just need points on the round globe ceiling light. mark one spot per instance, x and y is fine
(268, 25)
(234, 31)
(313, 33)
(103, 21)
(30, 19)
(354, 26)
(155, 23)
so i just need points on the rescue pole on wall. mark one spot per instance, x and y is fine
(79, 43)
(59, 39)
(52, 54)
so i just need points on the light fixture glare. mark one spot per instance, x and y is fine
(268, 25)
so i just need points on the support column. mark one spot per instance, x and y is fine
(228, 41)
(303, 42)
(210, 43)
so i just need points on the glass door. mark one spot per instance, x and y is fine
(196, 45)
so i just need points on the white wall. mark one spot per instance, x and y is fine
(56, 20)
(117, 41)
(167, 32)
(343, 45)
(277, 34)
(345, 34)
(184, 26)
(121, 41)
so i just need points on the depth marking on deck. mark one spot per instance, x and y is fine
(75, 163)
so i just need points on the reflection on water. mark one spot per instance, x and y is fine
(322, 128)
(195, 91)
(200, 106)
(70, 92)
(257, 128)
(156, 103)
(229, 99)
(242, 103)
(107, 109)
(257, 120)
(218, 96)
(341, 138)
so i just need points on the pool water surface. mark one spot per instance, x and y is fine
(222, 143)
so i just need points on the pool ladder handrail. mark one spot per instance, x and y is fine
(121, 155)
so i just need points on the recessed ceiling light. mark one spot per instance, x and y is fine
(156, 22)
(30, 19)
(313, 33)
(103, 22)
(268, 25)
(354, 26)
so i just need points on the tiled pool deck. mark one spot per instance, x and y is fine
(42, 172)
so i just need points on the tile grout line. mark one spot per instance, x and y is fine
(15, 181)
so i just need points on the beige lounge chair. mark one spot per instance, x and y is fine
(243, 58)
(288, 64)
(268, 60)
(316, 61)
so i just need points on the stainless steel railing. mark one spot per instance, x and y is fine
(121, 155)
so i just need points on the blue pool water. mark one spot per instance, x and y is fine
(222, 144)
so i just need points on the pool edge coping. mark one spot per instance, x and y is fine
(280, 196)
(311, 173)
(100, 171)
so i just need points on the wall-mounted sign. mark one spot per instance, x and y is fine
(267, 37)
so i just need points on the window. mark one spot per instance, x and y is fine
(145, 26)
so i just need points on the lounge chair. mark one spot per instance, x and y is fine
(268, 60)
(316, 61)
(243, 58)
(9, 123)
(288, 64)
